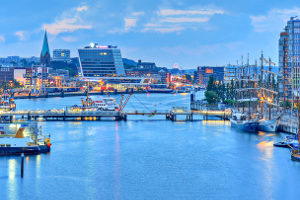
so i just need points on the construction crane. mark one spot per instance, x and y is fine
(124, 102)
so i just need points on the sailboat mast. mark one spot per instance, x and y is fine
(261, 85)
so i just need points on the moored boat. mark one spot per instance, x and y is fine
(269, 125)
(24, 144)
(241, 122)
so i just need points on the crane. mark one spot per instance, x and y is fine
(123, 103)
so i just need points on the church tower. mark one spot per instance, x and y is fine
(45, 53)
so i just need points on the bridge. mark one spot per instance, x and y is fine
(96, 115)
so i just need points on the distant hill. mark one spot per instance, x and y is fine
(130, 62)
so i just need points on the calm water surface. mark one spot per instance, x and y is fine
(150, 159)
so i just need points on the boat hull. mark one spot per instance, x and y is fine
(19, 150)
(245, 126)
(269, 125)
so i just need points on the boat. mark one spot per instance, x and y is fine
(240, 121)
(269, 125)
(295, 150)
(286, 143)
(160, 90)
(102, 104)
(24, 144)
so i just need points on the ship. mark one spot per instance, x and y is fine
(240, 121)
(21, 142)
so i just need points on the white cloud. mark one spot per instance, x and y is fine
(274, 20)
(20, 34)
(82, 8)
(164, 29)
(171, 20)
(129, 23)
(70, 39)
(70, 22)
(2, 38)
(167, 12)
(185, 19)
(138, 13)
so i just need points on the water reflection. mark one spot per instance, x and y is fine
(12, 185)
(117, 163)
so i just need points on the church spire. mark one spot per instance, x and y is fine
(45, 53)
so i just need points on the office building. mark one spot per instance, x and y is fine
(61, 55)
(289, 59)
(202, 74)
(149, 66)
(6, 74)
(100, 61)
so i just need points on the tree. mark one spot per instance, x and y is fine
(287, 104)
(211, 97)
(211, 84)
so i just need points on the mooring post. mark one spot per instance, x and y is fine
(22, 165)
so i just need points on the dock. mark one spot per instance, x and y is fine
(95, 115)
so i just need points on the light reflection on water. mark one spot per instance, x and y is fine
(151, 160)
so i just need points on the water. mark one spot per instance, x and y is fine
(150, 159)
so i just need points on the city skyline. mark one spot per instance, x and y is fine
(190, 33)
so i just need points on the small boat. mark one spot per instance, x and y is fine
(241, 122)
(269, 125)
(286, 143)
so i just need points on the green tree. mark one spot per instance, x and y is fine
(211, 84)
(211, 97)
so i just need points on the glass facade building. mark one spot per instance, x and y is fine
(289, 59)
(100, 61)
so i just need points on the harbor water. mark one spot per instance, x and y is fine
(150, 158)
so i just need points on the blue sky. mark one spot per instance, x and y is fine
(187, 33)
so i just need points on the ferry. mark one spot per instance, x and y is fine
(102, 104)
(23, 143)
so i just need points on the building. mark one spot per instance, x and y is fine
(61, 55)
(6, 74)
(230, 73)
(100, 61)
(289, 59)
(45, 53)
(202, 74)
(19, 75)
(148, 66)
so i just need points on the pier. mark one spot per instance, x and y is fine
(95, 115)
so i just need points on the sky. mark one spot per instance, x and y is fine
(187, 33)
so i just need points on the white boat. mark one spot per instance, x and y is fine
(269, 125)
(105, 104)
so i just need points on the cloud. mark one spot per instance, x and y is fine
(167, 12)
(70, 22)
(274, 20)
(2, 38)
(138, 13)
(163, 29)
(20, 34)
(70, 39)
(171, 20)
(185, 19)
(82, 8)
(129, 23)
